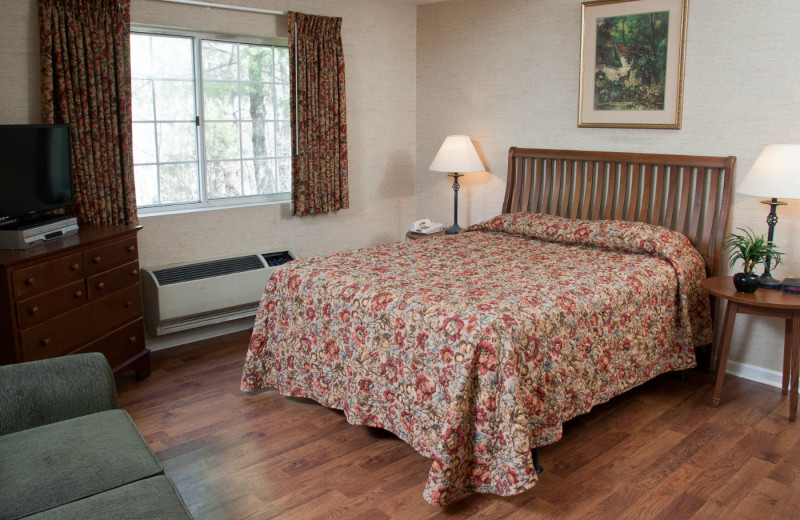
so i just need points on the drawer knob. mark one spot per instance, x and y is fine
(101, 285)
(78, 293)
(45, 342)
(76, 267)
(132, 339)
(30, 281)
(128, 304)
(97, 259)
(131, 248)
(33, 310)
(134, 272)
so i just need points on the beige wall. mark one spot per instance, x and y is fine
(506, 73)
(380, 56)
(19, 63)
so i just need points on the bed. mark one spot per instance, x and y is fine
(475, 348)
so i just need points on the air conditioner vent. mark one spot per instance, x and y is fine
(183, 297)
(199, 271)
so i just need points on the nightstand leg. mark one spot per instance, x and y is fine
(725, 346)
(795, 364)
(787, 358)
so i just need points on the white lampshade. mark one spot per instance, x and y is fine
(458, 155)
(776, 173)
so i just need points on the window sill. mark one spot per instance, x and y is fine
(194, 208)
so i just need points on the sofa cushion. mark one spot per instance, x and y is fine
(146, 499)
(51, 390)
(58, 463)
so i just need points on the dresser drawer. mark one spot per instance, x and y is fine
(41, 277)
(70, 330)
(49, 304)
(119, 345)
(112, 280)
(101, 258)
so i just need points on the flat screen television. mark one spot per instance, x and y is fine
(35, 170)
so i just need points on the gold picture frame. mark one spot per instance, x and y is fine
(632, 60)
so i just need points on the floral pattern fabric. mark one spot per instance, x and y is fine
(475, 348)
(86, 83)
(318, 115)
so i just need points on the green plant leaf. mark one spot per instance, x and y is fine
(751, 249)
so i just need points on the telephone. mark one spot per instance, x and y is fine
(425, 226)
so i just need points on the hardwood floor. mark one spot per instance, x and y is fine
(659, 451)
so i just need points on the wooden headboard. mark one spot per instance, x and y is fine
(687, 193)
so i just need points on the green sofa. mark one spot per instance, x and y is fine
(67, 452)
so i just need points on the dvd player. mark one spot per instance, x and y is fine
(21, 235)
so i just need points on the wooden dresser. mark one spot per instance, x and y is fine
(76, 294)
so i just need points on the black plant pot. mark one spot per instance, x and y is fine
(746, 282)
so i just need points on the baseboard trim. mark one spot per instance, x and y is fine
(190, 336)
(755, 373)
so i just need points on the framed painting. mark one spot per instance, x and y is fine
(632, 56)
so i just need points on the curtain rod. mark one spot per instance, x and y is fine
(226, 6)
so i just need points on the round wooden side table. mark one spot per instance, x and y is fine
(763, 302)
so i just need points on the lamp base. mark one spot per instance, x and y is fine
(455, 229)
(768, 282)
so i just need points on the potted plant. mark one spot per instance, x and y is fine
(752, 250)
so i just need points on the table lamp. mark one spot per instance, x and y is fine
(457, 154)
(775, 172)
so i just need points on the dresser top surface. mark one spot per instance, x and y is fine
(87, 235)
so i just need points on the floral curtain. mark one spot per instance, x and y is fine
(85, 58)
(319, 128)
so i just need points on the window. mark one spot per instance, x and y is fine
(210, 121)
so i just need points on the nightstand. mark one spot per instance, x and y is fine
(410, 235)
(763, 302)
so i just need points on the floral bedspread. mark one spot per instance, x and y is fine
(475, 348)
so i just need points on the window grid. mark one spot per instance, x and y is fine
(202, 174)
(270, 160)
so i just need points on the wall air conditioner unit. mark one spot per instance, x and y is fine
(186, 296)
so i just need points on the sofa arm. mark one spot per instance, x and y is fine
(51, 390)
